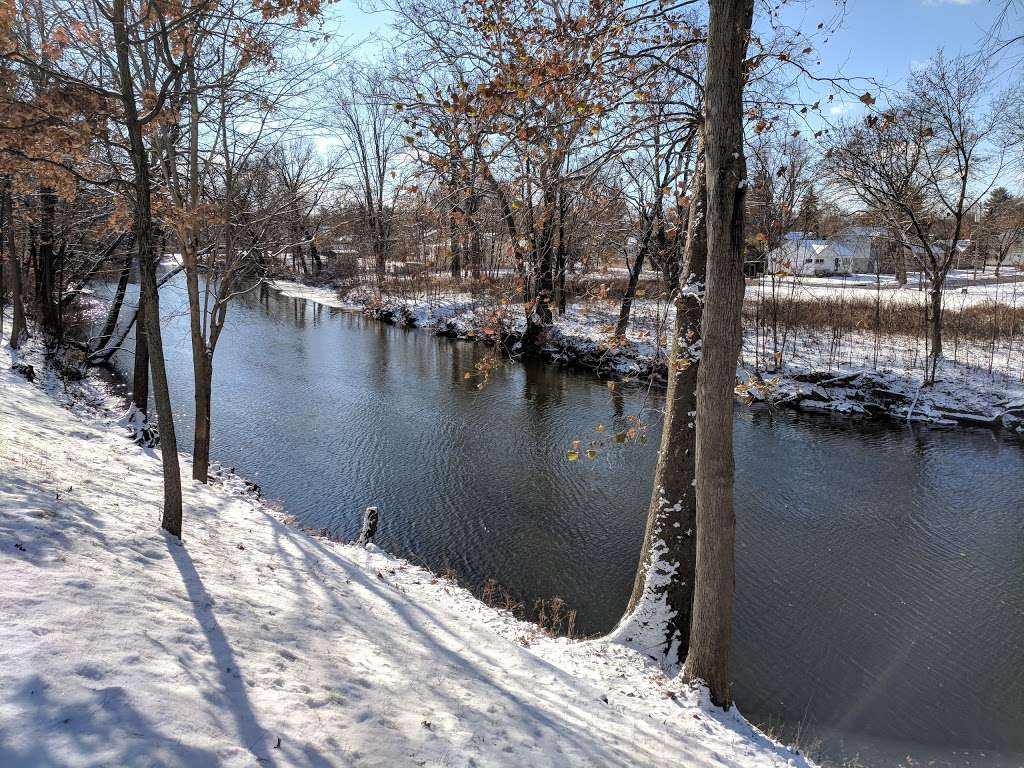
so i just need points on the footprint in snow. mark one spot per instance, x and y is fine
(89, 671)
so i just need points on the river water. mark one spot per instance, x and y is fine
(879, 612)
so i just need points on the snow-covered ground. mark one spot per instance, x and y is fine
(255, 643)
(856, 374)
(963, 289)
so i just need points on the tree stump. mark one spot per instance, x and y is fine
(371, 517)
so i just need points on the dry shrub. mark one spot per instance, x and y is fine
(980, 321)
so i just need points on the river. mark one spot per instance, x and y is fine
(879, 611)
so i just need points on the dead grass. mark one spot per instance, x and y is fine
(979, 322)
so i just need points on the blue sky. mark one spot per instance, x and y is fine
(885, 38)
(881, 39)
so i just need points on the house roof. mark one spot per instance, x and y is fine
(862, 230)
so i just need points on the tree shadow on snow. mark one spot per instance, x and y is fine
(256, 739)
(84, 725)
(542, 718)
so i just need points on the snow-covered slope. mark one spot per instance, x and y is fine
(253, 643)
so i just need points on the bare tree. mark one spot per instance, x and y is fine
(303, 178)
(125, 29)
(729, 27)
(373, 145)
(919, 166)
(654, 172)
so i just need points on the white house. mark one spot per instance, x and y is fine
(855, 250)
(798, 256)
(814, 257)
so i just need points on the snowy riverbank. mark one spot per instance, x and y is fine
(858, 374)
(255, 643)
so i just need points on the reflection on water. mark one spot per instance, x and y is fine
(880, 587)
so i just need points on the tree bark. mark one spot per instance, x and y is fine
(144, 241)
(47, 266)
(935, 319)
(110, 325)
(901, 266)
(657, 619)
(538, 314)
(203, 370)
(19, 329)
(630, 292)
(314, 256)
(140, 371)
(3, 232)
(474, 248)
(454, 244)
(202, 362)
(711, 628)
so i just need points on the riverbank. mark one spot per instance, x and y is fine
(859, 374)
(255, 642)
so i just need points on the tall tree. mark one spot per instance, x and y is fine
(657, 619)
(18, 327)
(124, 30)
(373, 145)
(231, 81)
(729, 25)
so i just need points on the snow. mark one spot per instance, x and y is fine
(644, 627)
(962, 290)
(253, 642)
(321, 295)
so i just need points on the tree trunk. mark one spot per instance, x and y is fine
(711, 628)
(935, 321)
(47, 267)
(380, 259)
(560, 256)
(201, 438)
(3, 233)
(144, 241)
(110, 325)
(538, 315)
(314, 256)
(202, 363)
(171, 520)
(474, 246)
(627, 297)
(140, 371)
(19, 330)
(657, 620)
(454, 245)
(901, 266)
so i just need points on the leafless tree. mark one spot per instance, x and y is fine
(924, 165)
(721, 335)
(375, 149)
